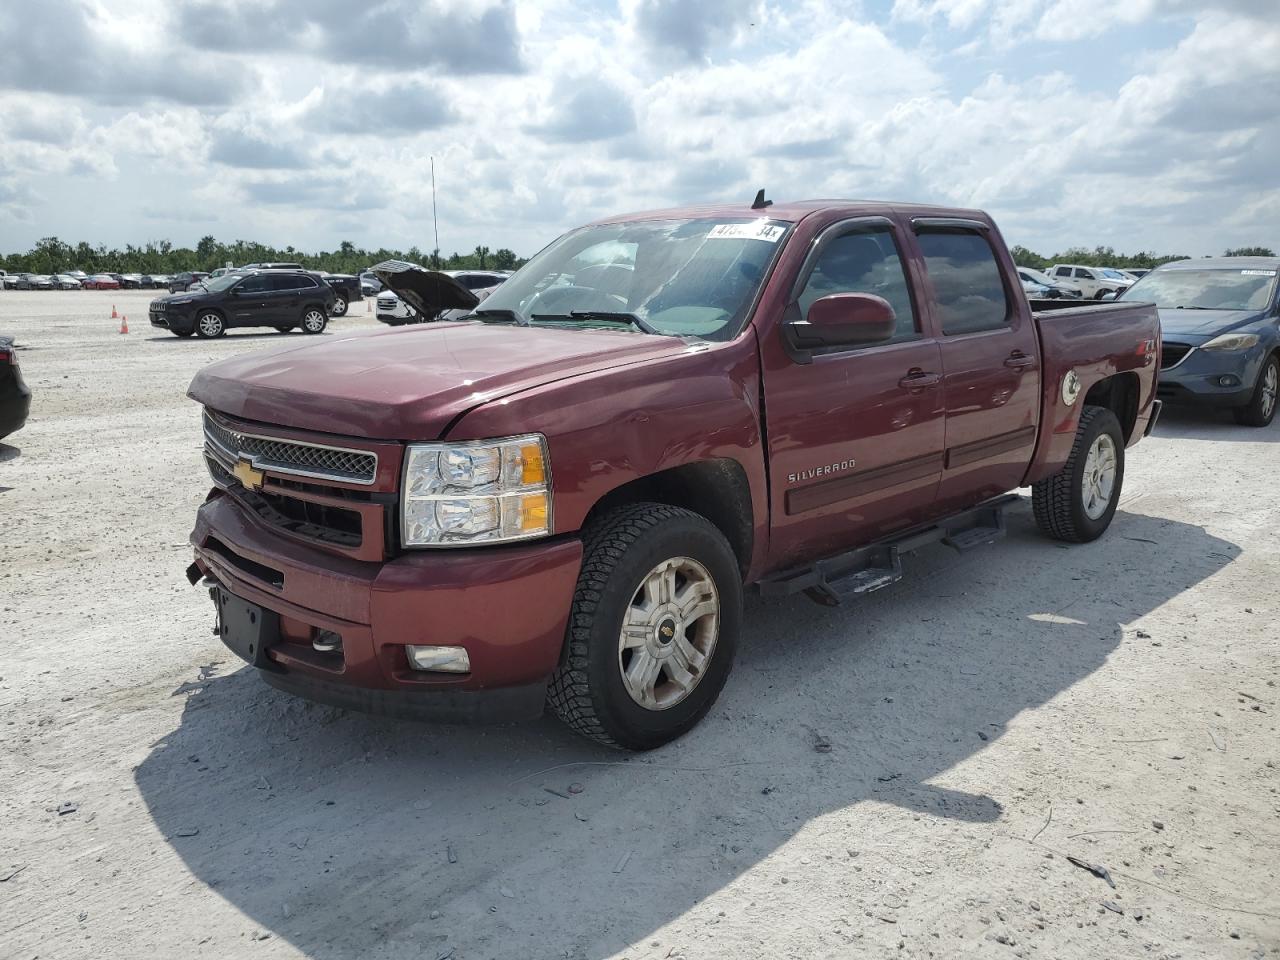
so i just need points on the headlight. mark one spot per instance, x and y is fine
(490, 491)
(1232, 341)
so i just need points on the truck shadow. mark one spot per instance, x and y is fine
(1209, 423)
(352, 836)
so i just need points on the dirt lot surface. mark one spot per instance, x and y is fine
(988, 716)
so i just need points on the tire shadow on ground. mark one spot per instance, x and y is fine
(354, 836)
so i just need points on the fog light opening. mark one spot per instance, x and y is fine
(1227, 380)
(326, 641)
(438, 659)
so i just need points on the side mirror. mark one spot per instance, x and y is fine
(844, 320)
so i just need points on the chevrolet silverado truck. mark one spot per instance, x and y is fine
(561, 497)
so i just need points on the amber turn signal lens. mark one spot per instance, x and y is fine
(533, 467)
(533, 513)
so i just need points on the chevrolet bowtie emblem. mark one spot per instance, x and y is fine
(249, 478)
(667, 632)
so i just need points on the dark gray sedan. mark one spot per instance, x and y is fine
(1220, 324)
(15, 397)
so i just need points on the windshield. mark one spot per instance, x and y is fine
(675, 277)
(218, 284)
(1206, 289)
(1114, 275)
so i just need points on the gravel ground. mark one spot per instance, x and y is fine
(987, 717)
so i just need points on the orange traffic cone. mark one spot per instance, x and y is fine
(113, 312)
(124, 324)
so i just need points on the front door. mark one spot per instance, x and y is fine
(855, 436)
(990, 362)
(249, 302)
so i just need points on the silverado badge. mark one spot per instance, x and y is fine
(249, 478)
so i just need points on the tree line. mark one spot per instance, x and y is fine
(52, 255)
(1107, 257)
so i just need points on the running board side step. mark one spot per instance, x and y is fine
(835, 579)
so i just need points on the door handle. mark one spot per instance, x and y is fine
(1019, 359)
(918, 379)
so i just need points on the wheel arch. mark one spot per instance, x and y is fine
(716, 489)
(1118, 393)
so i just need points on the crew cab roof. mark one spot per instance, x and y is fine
(794, 211)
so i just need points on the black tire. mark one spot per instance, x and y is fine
(207, 328)
(1059, 501)
(620, 549)
(339, 308)
(182, 333)
(284, 329)
(1261, 408)
(314, 320)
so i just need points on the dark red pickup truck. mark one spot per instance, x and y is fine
(561, 497)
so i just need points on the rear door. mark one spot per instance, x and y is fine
(855, 435)
(990, 361)
(284, 297)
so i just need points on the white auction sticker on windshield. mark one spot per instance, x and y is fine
(1258, 273)
(756, 230)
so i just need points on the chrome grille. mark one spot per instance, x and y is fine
(287, 456)
(387, 303)
(1172, 354)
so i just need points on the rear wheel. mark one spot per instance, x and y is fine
(653, 627)
(339, 308)
(210, 325)
(314, 320)
(1077, 504)
(1261, 408)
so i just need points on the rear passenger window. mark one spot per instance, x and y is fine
(865, 260)
(966, 280)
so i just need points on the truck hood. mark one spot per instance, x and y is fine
(410, 383)
(427, 291)
(1203, 323)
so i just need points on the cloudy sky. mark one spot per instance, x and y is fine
(1150, 124)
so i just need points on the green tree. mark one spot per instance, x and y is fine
(504, 259)
(1250, 252)
(482, 254)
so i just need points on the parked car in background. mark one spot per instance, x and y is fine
(183, 281)
(283, 299)
(395, 312)
(78, 274)
(1056, 288)
(346, 288)
(63, 281)
(275, 265)
(1136, 272)
(369, 284)
(563, 500)
(17, 281)
(40, 281)
(1094, 282)
(1220, 325)
(101, 281)
(159, 281)
(15, 396)
(130, 281)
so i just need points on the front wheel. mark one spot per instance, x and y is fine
(339, 308)
(210, 325)
(1077, 504)
(1261, 408)
(182, 333)
(653, 627)
(314, 320)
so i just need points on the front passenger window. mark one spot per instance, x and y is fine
(252, 285)
(863, 261)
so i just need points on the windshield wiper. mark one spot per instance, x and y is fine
(513, 315)
(1180, 307)
(640, 323)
